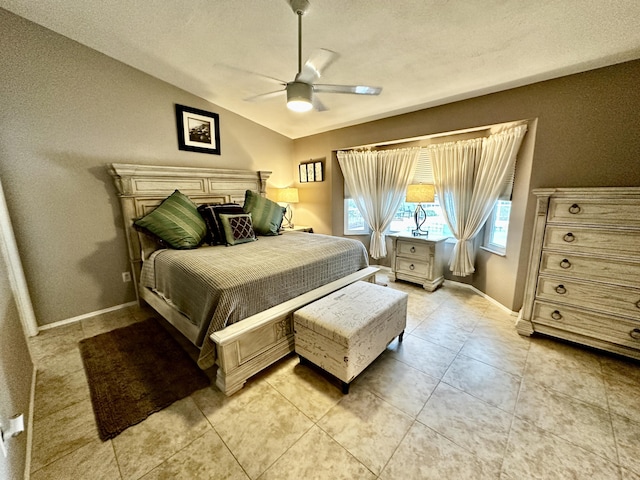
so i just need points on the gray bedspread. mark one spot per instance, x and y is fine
(218, 286)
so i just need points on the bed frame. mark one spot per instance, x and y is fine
(244, 348)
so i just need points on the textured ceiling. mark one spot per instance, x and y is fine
(423, 53)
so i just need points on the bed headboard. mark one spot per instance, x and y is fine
(141, 188)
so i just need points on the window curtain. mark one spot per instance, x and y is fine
(377, 181)
(469, 178)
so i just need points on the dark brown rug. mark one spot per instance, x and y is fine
(136, 371)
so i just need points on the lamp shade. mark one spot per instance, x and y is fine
(421, 193)
(288, 195)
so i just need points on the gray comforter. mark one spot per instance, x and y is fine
(217, 286)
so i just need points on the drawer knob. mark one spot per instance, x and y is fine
(561, 290)
(635, 333)
(556, 315)
(413, 250)
(565, 264)
(575, 208)
(412, 267)
(569, 237)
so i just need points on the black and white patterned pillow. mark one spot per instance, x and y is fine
(237, 228)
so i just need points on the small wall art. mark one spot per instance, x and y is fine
(311, 172)
(198, 130)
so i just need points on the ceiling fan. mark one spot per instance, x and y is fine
(300, 92)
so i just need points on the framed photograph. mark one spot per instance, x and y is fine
(302, 168)
(310, 173)
(198, 130)
(319, 174)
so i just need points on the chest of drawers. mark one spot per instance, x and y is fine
(583, 281)
(418, 260)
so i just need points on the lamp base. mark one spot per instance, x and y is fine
(419, 216)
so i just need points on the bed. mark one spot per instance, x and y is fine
(234, 303)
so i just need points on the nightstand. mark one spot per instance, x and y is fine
(298, 228)
(418, 260)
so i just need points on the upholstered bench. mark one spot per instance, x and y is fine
(347, 330)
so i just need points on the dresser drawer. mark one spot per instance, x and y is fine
(410, 249)
(592, 240)
(616, 330)
(412, 267)
(618, 272)
(595, 211)
(608, 298)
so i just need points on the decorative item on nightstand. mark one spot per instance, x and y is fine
(288, 196)
(419, 194)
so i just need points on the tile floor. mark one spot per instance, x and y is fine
(463, 397)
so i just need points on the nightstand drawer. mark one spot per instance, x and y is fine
(410, 249)
(412, 267)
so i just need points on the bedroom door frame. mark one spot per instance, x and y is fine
(15, 272)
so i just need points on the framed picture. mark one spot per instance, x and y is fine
(302, 170)
(310, 173)
(319, 174)
(198, 130)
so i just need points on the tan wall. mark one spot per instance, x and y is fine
(68, 110)
(586, 135)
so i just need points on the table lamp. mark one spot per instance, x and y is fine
(288, 196)
(419, 194)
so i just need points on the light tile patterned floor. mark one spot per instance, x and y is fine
(463, 397)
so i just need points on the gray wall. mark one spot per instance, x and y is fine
(586, 134)
(68, 110)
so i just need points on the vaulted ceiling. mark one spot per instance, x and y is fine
(422, 52)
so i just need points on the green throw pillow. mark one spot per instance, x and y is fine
(266, 215)
(176, 221)
(237, 228)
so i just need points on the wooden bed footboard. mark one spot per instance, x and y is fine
(247, 347)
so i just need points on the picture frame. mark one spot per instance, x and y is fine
(310, 173)
(198, 130)
(318, 172)
(302, 172)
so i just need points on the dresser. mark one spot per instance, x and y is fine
(418, 260)
(583, 281)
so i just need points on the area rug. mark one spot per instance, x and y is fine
(136, 371)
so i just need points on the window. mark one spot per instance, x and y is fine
(403, 220)
(354, 224)
(497, 227)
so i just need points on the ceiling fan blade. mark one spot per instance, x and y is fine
(318, 61)
(264, 96)
(318, 105)
(249, 72)
(353, 89)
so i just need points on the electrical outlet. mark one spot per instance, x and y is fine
(126, 277)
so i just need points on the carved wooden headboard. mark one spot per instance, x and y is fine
(141, 188)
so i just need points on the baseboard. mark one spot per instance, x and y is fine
(86, 315)
(482, 294)
(32, 408)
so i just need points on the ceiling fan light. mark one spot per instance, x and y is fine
(299, 105)
(299, 97)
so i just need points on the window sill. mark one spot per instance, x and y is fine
(495, 250)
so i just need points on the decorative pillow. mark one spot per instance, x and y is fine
(237, 228)
(265, 214)
(211, 215)
(176, 221)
